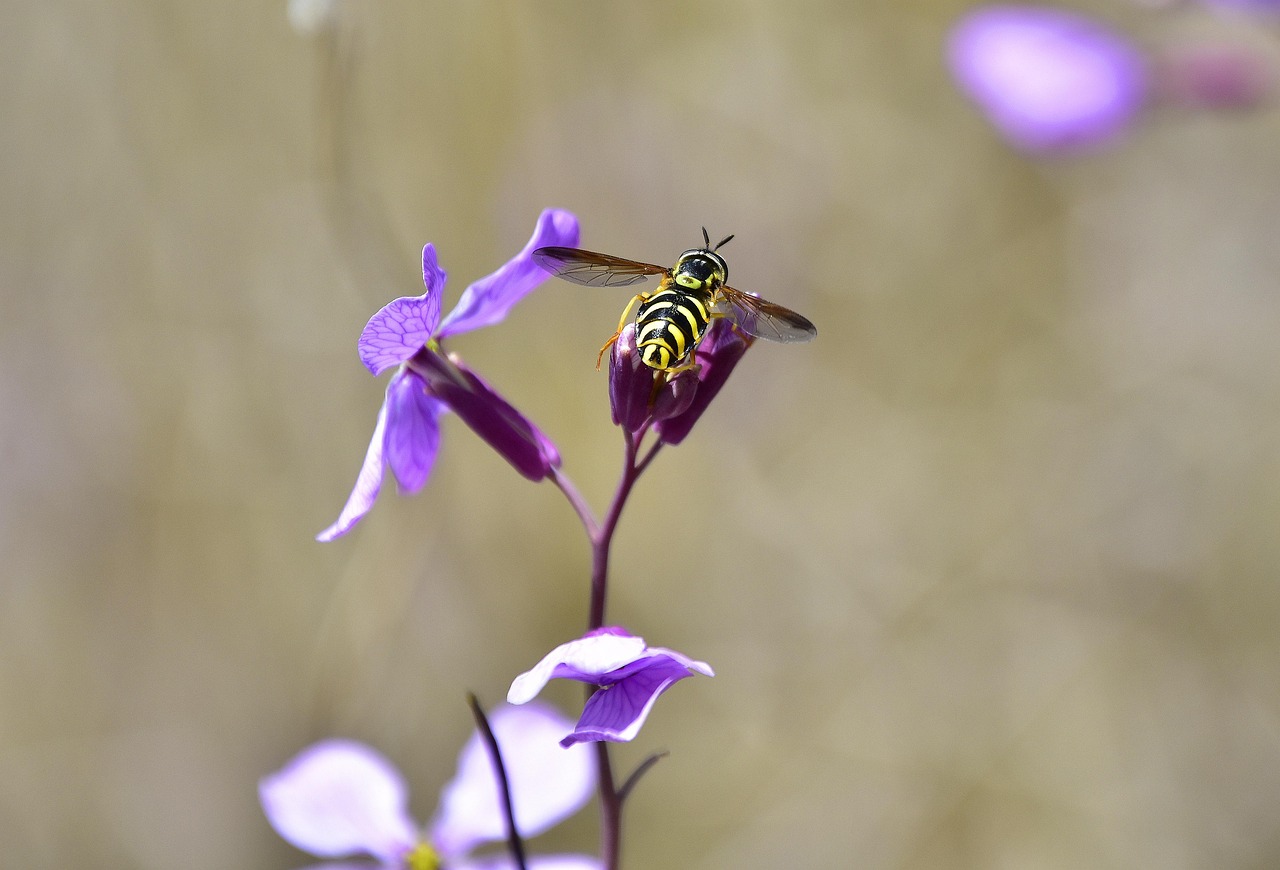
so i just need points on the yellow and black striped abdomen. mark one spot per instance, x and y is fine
(670, 323)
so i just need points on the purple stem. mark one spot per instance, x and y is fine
(601, 536)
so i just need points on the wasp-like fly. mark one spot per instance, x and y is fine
(672, 319)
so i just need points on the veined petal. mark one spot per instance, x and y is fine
(488, 300)
(586, 659)
(368, 482)
(617, 711)
(548, 784)
(413, 429)
(337, 798)
(403, 326)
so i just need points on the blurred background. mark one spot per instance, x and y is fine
(988, 572)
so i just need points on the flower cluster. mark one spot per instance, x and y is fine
(1052, 81)
(639, 397)
(407, 333)
(339, 798)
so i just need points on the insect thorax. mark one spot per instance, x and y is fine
(700, 269)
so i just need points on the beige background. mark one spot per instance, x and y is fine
(988, 572)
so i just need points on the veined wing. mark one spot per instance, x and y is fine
(592, 269)
(764, 319)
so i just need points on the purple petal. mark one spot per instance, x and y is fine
(488, 300)
(586, 659)
(368, 482)
(548, 784)
(533, 862)
(1215, 76)
(404, 325)
(489, 415)
(716, 356)
(413, 429)
(1046, 78)
(1261, 6)
(338, 798)
(616, 712)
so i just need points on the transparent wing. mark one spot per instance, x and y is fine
(592, 269)
(764, 319)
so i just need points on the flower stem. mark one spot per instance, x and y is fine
(514, 841)
(610, 810)
(602, 540)
(600, 534)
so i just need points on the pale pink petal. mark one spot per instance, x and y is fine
(338, 798)
(548, 783)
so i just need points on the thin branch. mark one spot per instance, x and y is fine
(504, 785)
(637, 773)
(576, 501)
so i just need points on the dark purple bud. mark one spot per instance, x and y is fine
(630, 382)
(716, 356)
(489, 415)
(676, 395)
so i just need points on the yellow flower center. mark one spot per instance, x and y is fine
(423, 857)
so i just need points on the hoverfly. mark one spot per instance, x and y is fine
(671, 320)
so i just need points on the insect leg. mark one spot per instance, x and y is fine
(622, 322)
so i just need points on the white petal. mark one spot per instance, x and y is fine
(596, 654)
(339, 798)
(548, 783)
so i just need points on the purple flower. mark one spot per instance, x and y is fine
(406, 333)
(629, 677)
(677, 402)
(1261, 6)
(340, 798)
(1048, 79)
(1209, 76)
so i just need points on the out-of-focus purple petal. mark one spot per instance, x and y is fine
(368, 482)
(489, 415)
(630, 382)
(1046, 78)
(1265, 7)
(548, 784)
(488, 300)
(716, 356)
(617, 711)
(586, 659)
(533, 862)
(413, 429)
(337, 798)
(1206, 76)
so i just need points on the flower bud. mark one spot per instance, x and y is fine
(716, 356)
(630, 383)
(488, 414)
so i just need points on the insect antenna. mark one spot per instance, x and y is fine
(706, 239)
(723, 241)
